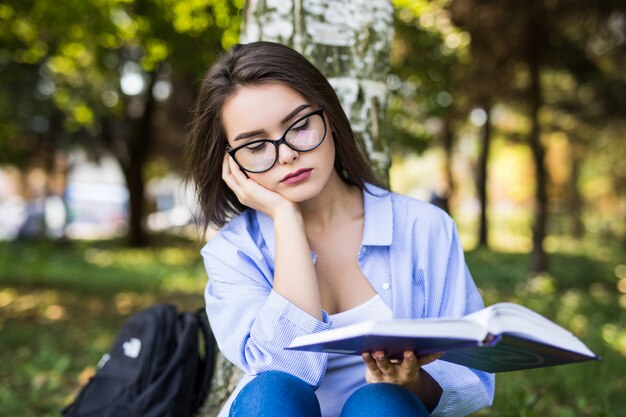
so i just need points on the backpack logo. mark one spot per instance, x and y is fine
(132, 347)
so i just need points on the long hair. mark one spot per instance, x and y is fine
(248, 65)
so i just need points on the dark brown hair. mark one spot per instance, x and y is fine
(253, 64)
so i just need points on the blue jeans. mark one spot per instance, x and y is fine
(274, 394)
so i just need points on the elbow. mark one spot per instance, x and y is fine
(310, 367)
(488, 382)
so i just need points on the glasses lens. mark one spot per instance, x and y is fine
(257, 156)
(307, 133)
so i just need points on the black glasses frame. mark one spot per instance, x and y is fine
(278, 142)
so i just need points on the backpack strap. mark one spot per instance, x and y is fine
(210, 349)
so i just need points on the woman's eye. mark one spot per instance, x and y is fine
(256, 147)
(301, 125)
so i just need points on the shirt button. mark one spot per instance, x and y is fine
(386, 286)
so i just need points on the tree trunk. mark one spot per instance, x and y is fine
(575, 201)
(539, 261)
(447, 143)
(350, 42)
(483, 232)
(624, 239)
(139, 143)
(136, 236)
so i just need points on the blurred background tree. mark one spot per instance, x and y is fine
(550, 40)
(114, 75)
(551, 63)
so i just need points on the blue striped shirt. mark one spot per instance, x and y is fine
(410, 254)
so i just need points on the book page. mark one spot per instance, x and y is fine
(516, 320)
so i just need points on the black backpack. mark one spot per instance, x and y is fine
(160, 365)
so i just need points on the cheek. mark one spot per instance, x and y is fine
(329, 149)
(264, 179)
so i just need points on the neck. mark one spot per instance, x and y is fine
(338, 202)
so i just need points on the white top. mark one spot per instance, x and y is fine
(346, 373)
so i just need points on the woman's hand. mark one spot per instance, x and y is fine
(251, 193)
(404, 372)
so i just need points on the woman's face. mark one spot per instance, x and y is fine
(265, 111)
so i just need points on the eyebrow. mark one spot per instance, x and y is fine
(285, 119)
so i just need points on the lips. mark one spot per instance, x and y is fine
(297, 176)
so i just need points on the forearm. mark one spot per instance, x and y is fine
(294, 273)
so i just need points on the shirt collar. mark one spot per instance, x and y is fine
(377, 230)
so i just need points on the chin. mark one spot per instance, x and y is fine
(301, 192)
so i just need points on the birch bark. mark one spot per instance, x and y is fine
(350, 42)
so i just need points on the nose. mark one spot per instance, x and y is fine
(286, 155)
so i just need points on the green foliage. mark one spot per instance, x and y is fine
(579, 293)
(427, 49)
(70, 56)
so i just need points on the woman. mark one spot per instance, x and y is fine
(311, 241)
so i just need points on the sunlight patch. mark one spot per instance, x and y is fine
(7, 296)
(55, 312)
(615, 336)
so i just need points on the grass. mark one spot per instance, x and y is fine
(61, 307)
(580, 293)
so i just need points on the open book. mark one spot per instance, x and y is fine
(502, 337)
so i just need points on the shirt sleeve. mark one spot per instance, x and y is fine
(451, 292)
(252, 323)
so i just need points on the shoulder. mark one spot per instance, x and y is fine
(425, 222)
(239, 234)
(409, 213)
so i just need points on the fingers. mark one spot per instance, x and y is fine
(410, 364)
(227, 174)
(382, 367)
(225, 165)
(402, 372)
(383, 363)
(231, 171)
(372, 367)
(234, 177)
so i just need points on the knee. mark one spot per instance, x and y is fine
(384, 399)
(379, 392)
(275, 393)
(279, 382)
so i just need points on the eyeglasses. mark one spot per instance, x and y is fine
(303, 135)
